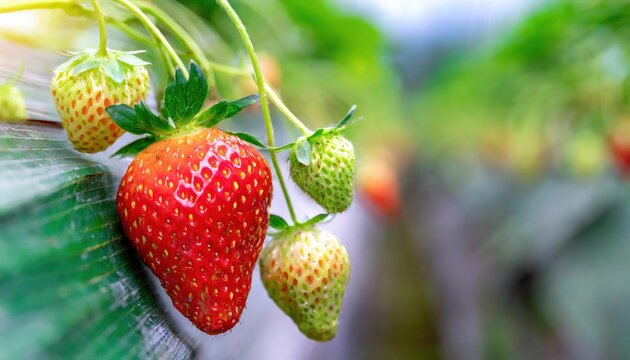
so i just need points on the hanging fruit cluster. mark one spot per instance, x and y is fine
(195, 200)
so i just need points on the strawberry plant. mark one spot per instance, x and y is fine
(195, 200)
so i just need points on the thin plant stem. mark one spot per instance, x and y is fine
(182, 35)
(236, 20)
(102, 30)
(188, 41)
(286, 112)
(150, 26)
(35, 5)
(273, 96)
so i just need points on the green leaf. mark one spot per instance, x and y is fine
(346, 118)
(113, 69)
(82, 66)
(284, 147)
(153, 124)
(303, 151)
(316, 219)
(125, 117)
(278, 222)
(214, 114)
(317, 133)
(248, 138)
(132, 60)
(224, 109)
(65, 65)
(72, 286)
(183, 97)
(139, 119)
(236, 106)
(136, 146)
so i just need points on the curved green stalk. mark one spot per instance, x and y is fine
(229, 70)
(187, 40)
(182, 35)
(102, 30)
(150, 26)
(263, 98)
(36, 5)
(273, 96)
(286, 112)
(275, 99)
(131, 32)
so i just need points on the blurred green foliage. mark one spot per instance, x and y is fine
(327, 59)
(71, 286)
(541, 102)
(561, 73)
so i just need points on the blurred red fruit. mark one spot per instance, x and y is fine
(619, 144)
(379, 185)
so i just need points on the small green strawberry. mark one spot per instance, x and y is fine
(323, 165)
(305, 272)
(12, 106)
(84, 86)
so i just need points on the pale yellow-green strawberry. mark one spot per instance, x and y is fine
(12, 107)
(86, 85)
(328, 175)
(305, 272)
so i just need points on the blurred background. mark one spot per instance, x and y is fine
(492, 218)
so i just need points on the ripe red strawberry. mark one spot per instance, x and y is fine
(86, 85)
(305, 272)
(196, 207)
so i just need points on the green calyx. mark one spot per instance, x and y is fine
(113, 65)
(283, 228)
(181, 112)
(323, 163)
(303, 148)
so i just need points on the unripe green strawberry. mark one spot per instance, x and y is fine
(12, 106)
(329, 176)
(305, 272)
(86, 85)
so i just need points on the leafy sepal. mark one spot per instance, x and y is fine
(277, 222)
(135, 147)
(315, 219)
(183, 98)
(113, 65)
(303, 150)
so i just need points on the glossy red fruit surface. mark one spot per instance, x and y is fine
(196, 207)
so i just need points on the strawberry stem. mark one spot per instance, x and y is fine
(102, 30)
(36, 5)
(210, 66)
(156, 33)
(236, 20)
(275, 99)
(286, 112)
(184, 37)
